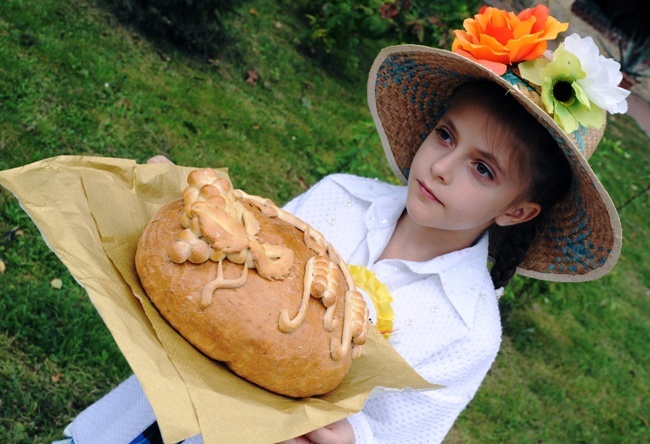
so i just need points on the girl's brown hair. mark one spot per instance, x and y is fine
(542, 165)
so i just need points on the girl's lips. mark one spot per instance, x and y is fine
(426, 192)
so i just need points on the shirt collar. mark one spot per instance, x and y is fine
(462, 274)
(387, 201)
(367, 190)
(385, 204)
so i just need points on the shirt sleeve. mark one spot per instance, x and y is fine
(295, 205)
(427, 417)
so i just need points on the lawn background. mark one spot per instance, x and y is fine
(574, 362)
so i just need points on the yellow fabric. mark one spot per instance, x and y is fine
(378, 292)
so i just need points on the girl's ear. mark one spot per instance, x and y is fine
(522, 212)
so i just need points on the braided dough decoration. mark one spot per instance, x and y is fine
(218, 226)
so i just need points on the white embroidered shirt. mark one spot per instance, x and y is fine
(447, 324)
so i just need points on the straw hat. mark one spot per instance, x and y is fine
(408, 89)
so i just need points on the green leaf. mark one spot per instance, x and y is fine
(564, 65)
(531, 70)
(581, 95)
(565, 119)
(593, 117)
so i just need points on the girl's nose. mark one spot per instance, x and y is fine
(442, 167)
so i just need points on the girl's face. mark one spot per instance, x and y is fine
(463, 178)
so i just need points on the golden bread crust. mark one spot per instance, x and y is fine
(240, 326)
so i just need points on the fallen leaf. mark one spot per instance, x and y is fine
(56, 378)
(3, 267)
(303, 183)
(123, 103)
(251, 77)
(56, 283)
(252, 11)
(256, 126)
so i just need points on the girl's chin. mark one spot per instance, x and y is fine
(420, 214)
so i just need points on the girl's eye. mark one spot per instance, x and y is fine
(443, 135)
(483, 170)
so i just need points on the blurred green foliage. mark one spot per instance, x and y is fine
(339, 29)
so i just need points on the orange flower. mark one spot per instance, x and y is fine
(496, 38)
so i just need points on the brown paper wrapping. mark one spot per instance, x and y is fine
(91, 212)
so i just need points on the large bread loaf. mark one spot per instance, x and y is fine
(254, 287)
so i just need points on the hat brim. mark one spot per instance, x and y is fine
(580, 237)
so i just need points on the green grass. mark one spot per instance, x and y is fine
(574, 362)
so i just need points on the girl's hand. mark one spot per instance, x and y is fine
(159, 159)
(339, 432)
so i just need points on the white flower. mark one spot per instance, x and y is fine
(603, 75)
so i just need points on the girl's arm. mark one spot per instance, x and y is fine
(339, 432)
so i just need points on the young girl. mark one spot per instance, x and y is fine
(491, 172)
